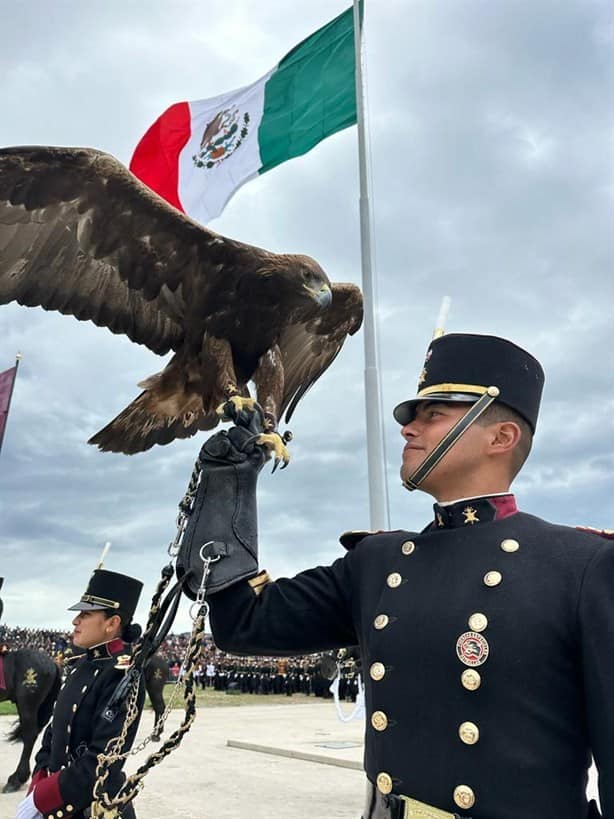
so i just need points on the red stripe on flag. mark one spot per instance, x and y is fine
(156, 157)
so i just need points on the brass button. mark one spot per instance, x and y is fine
(59, 814)
(464, 797)
(510, 545)
(69, 807)
(384, 782)
(478, 621)
(493, 578)
(74, 708)
(471, 680)
(68, 727)
(67, 749)
(84, 689)
(408, 547)
(394, 580)
(377, 671)
(469, 733)
(379, 720)
(381, 621)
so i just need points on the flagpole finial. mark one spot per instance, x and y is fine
(442, 318)
(107, 546)
(18, 357)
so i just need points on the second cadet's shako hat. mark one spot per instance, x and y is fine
(461, 367)
(110, 591)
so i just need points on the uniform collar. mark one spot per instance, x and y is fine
(473, 511)
(107, 651)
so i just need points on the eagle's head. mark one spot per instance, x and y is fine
(311, 285)
(297, 283)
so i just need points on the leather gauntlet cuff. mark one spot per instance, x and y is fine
(223, 523)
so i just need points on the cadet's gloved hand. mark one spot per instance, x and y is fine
(26, 809)
(223, 523)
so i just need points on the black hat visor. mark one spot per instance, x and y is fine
(83, 605)
(405, 412)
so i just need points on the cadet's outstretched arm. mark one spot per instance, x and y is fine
(249, 614)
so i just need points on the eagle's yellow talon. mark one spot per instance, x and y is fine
(239, 403)
(274, 442)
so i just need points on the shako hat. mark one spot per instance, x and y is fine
(110, 591)
(462, 366)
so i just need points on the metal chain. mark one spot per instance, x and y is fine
(103, 806)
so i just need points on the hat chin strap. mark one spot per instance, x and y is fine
(450, 438)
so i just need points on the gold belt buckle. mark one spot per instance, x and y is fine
(418, 810)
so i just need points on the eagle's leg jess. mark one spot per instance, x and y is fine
(269, 381)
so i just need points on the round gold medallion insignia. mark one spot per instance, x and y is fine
(384, 782)
(472, 648)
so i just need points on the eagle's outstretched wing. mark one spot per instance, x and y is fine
(80, 234)
(309, 348)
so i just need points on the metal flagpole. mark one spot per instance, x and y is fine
(378, 489)
(8, 406)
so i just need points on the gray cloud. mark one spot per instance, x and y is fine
(491, 183)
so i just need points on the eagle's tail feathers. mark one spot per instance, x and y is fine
(149, 420)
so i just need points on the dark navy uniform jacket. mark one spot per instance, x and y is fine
(488, 649)
(65, 770)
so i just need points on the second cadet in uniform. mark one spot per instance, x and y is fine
(65, 772)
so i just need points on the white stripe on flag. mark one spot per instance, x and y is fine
(204, 191)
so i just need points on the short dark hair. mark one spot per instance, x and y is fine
(499, 413)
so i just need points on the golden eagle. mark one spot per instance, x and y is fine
(80, 234)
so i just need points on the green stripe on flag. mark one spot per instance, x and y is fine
(311, 94)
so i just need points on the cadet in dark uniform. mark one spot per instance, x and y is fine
(64, 774)
(487, 638)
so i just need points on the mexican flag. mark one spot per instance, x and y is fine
(197, 154)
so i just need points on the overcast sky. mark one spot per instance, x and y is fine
(491, 159)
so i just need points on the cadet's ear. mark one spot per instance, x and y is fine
(505, 436)
(113, 623)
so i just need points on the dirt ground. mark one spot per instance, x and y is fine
(318, 776)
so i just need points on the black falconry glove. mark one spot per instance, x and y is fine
(223, 523)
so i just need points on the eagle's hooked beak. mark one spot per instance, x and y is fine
(324, 296)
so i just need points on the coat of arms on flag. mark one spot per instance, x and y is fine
(221, 138)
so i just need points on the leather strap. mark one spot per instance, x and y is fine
(450, 438)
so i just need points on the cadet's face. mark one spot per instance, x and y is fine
(432, 421)
(91, 629)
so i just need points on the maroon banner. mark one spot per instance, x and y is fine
(7, 379)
